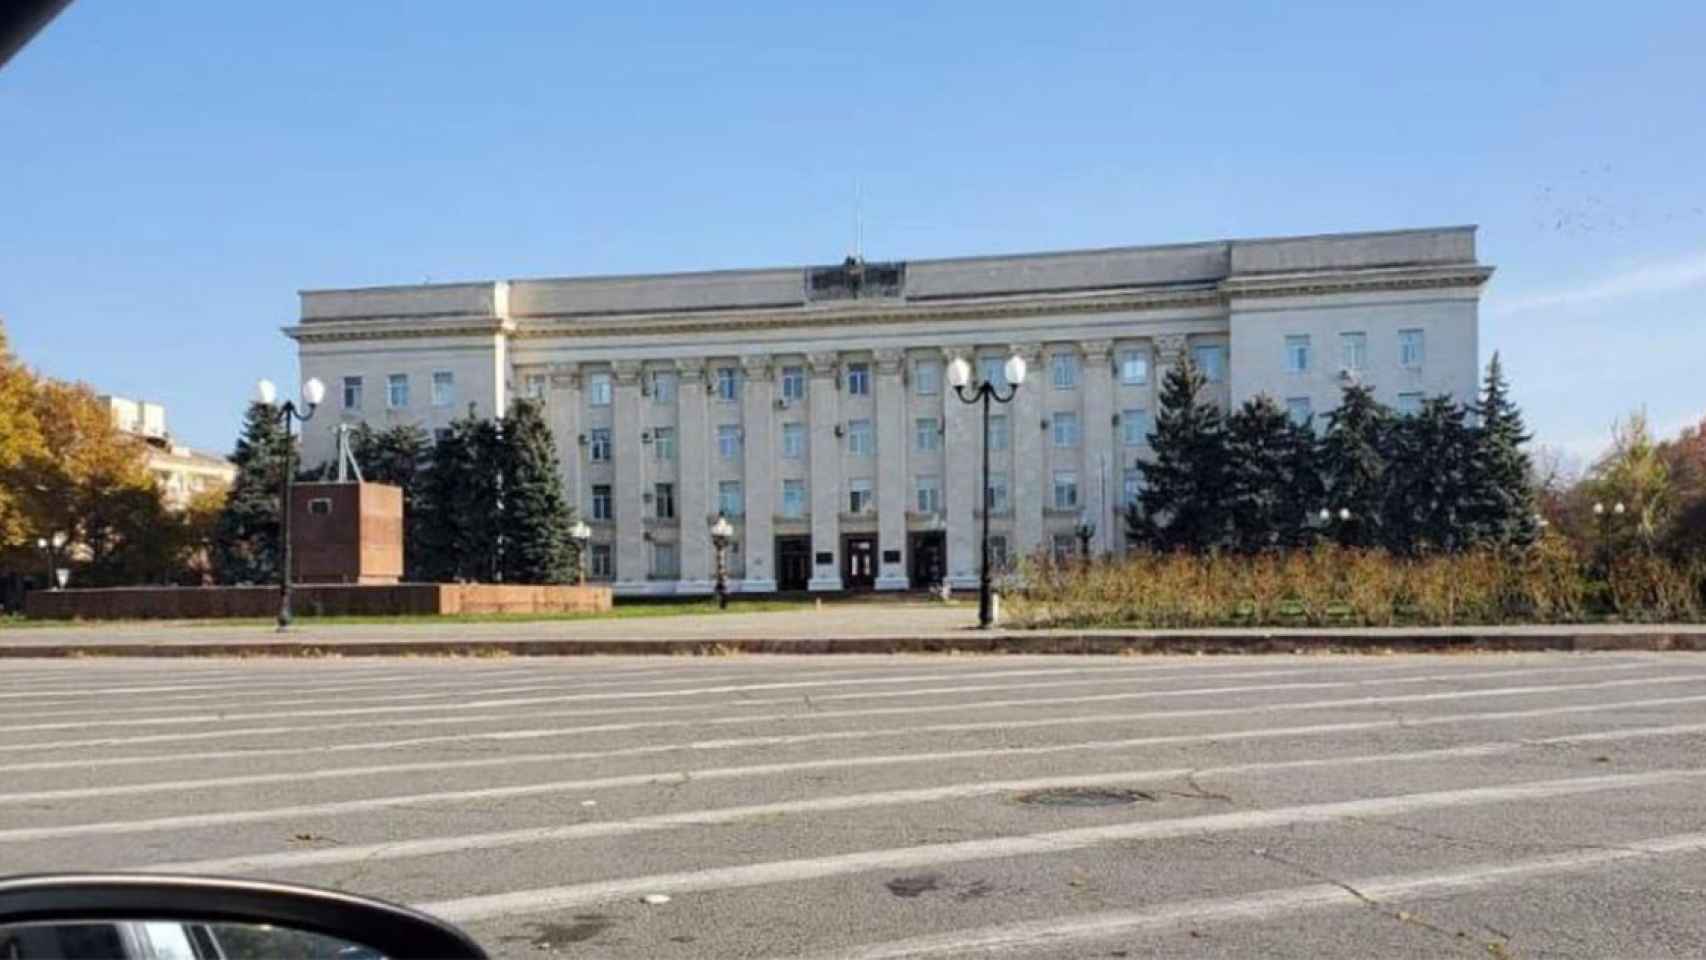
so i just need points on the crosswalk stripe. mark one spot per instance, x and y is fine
(466, 909)
(399, 849)
(330, 808)
(1060, 932)
(439, 765)
(549, 732)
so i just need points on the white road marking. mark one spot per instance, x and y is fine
(1058, 932)
(437, 765)
(550, 732)
(333, 808)
(466, 909)
(461, 843)
(432, 721)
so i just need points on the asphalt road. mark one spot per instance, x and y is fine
(1490, 805)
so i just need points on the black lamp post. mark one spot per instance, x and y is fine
(721, 533)
(959, 377)
(312, 393)
(49, 549)
(1086, 529)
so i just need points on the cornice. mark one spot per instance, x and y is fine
(663, 324)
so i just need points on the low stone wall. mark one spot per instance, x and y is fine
(213, 603)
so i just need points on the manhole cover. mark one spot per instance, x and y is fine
(1084, 797)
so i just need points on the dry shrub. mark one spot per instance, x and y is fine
(1336, 586)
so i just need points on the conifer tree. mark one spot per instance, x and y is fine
(1259, 448)
(1431, 472)
(536, 519)
(1184, 500)
(1353, 467)
(246, 538)
(1503, 494)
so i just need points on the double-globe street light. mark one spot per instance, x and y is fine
(580, 533)
(312, 393)
(722, 534)
(985, 392)
(56, 575)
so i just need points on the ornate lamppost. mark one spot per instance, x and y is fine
(722, 532)
(312, 393)
(959, 377)
(580, 533)
(50, 548)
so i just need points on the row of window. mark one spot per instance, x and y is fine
(926, 498)
(397, 390)
(861, 436)
(1301, 408)
(1353, 351)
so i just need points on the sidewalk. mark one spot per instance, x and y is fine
(853, 628)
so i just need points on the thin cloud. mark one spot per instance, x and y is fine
(1661, 277)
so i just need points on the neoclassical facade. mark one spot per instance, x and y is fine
(810, 404)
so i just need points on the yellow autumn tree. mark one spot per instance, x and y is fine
(20, 439)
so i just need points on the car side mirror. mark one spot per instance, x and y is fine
(208, 918)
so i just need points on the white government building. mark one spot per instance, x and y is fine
(810, 404)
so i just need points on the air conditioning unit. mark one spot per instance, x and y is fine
(781, 403)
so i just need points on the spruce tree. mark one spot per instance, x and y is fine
(1502, 495)
(1301, 492)
(246, 538)
(399, 456)
(1259, 445)
(1430, 470)
(1353, 468)
(536, 518)
(1184, 500)
(458, 507)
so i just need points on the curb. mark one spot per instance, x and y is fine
(1098, 643)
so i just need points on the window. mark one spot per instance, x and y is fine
(793, 441)
(997, 552)
(1065, 368)
(602, 568)
(1353, 350)
(998, 432)
(1410, 352)
(397, 390)
(1297, 354)
(1211, 360)
(927, 431)
(352, 393)
(600, 444)
(858, 496)
(728, 383)
(730, 502)
(793, 498)
(1066, 430)
(1300, 409)
(533, 386)
(861, 442)
(793, 384)
(602, 508)
(443, 388)
(1134, 427)
(664, 562)
(663, 501)
(663, 443)
(1134, 366)
(728, 441)
(1409, 404)
(1065, 490)
(998, 497)
(927, 376)
(320, 506)
(993, 370)
(598, 390)
(663, 388)
(928, 494)
(1130, 486)
(859, 379)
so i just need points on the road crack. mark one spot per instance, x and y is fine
(1495, 948)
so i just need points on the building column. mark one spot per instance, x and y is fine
(894, 487)
(1030, 484)
(758, 464)
(632, 564)
(962, 461)
(563, 413)
(693, 496)
(1101, 456)
(824, 451)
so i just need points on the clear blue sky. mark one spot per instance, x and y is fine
(171, 174)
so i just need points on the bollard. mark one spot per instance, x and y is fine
(994, 609)
(819, 604)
